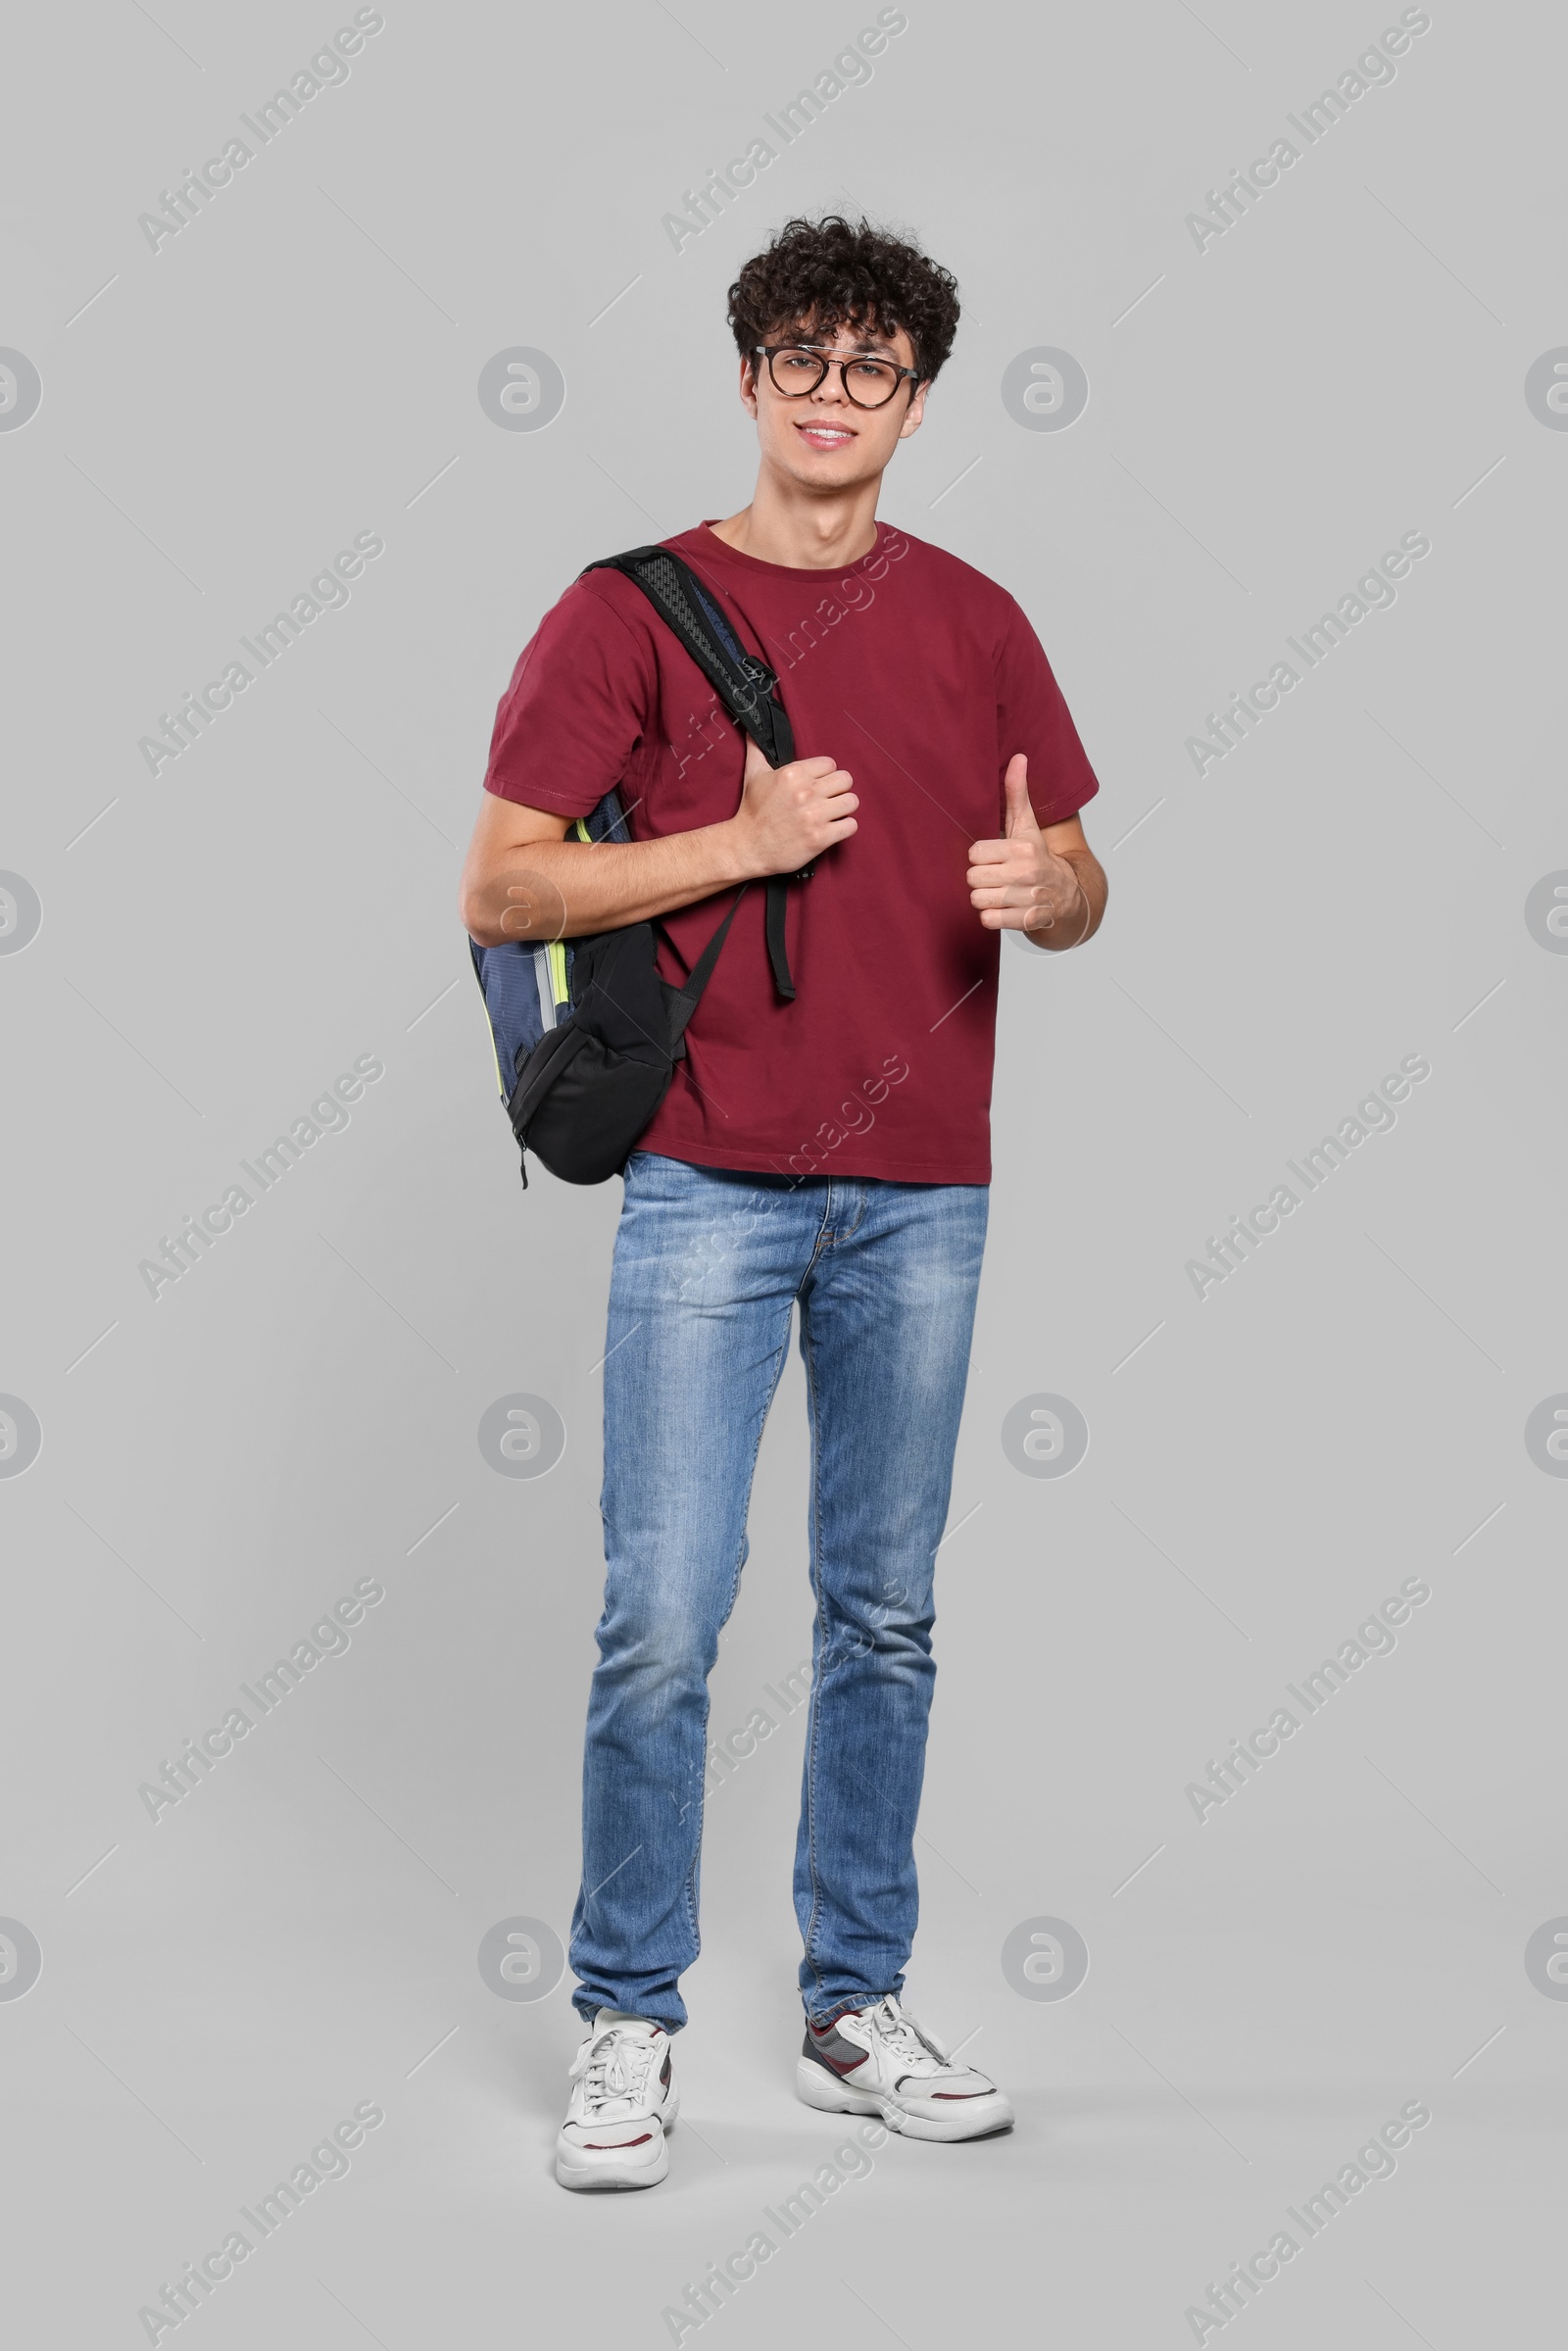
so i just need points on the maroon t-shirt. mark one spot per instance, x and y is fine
(923, 678)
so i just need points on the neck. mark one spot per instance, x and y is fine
(784, 525)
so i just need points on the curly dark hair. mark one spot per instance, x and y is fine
(827, 273)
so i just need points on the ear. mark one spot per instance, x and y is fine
(749, 386)
(915, 410)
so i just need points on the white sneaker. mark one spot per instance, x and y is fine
(878, 2060)
(622, 2102)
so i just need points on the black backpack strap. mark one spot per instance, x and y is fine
(684, 1002)
(744, 683)
(746, 686)
(773, 926)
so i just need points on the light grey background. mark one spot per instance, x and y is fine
(300, 1410)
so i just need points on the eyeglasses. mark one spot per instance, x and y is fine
(797, 369)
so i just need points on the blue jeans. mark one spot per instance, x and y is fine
(708, 1265)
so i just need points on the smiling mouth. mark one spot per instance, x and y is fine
(835, 436)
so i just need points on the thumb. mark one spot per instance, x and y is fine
(1021, 816)
(755, 763)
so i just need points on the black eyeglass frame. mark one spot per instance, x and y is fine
(772, 351)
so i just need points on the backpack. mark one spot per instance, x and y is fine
(586, 1033)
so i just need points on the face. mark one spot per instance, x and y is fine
(821, 440)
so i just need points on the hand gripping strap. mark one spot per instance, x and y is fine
(748, 689)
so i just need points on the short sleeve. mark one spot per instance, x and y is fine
(1033, 718)
(575, 710)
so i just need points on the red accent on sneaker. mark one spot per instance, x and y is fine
(614, 2146)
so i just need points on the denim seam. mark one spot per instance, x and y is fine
(820, 1673)
(824, 1233)
(780, 1352)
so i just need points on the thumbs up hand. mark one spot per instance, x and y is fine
(1019, 884)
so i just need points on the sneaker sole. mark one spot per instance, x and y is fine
(595, 2177)
(830, 2095)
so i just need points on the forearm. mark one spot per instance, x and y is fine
(1075, 927)
(522, 880)
(561, 889)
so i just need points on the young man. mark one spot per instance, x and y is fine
(831, 1152)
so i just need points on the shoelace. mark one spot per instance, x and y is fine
(904, 2037)
(613, 2065)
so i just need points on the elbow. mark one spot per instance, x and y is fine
(476, 902)
(477, 920)
(501, 899)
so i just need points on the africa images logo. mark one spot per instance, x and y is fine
(185, 203)
(719, 189)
